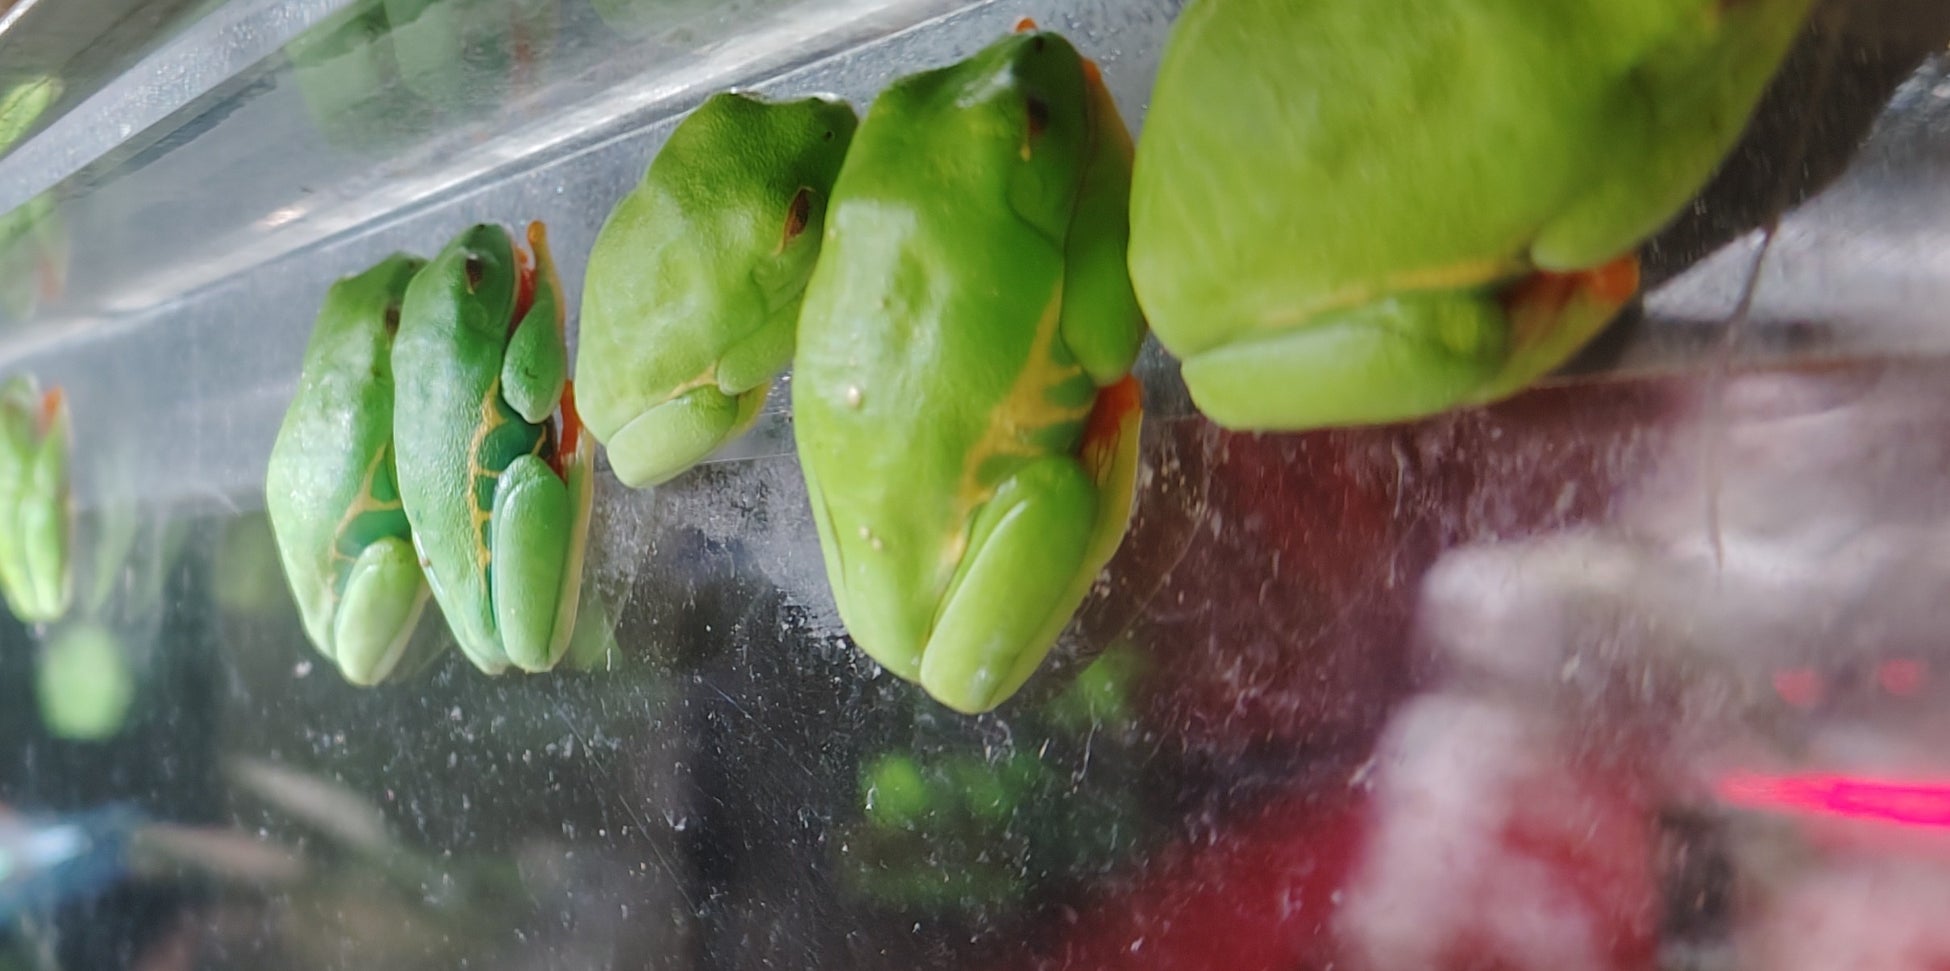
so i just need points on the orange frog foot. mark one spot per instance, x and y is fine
(1546, 297)
(1117, 408)
(570, 434)
(1610, 283)
(51, 401)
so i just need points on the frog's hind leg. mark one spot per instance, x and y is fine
(1016, 586)
(668, 439)
(535, 525)
(1392, 360)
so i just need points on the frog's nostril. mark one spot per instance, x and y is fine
(476, 271)
(392, 318)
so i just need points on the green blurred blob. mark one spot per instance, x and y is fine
(894, 792)
(1100, 697)
(23, 105)
(84, 683)
(247, 567)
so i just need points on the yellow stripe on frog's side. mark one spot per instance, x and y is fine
(707, 378)
(1455, 276)
(492, 418)
(1023, 410)
(365, 504)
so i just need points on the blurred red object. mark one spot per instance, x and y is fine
(1284, 624)
(1255, 893)
(1498, 841)
(1288, 621)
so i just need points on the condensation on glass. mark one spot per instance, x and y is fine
(1644, 668)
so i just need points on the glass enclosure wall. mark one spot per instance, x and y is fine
(1643, 667)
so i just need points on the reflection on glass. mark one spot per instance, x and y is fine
(36, 572)
(677, 21)
(382, 72)
(973, 829)
(465, 54)
(23, 105)
(346, 72)
(34, 255)
(85, 685)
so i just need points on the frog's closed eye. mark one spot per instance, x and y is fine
(797, 215)
(392, 318)
(1037, 112)
(476, 271)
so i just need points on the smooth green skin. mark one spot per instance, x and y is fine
(501, 534)
(1328, 195)
(692, 297)
(36, 521)
(970, 301)
(331, 490)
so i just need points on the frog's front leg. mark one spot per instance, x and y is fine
(535, 367)
(1009, 599)
(534, 536)
(385, 592)
(669, 438)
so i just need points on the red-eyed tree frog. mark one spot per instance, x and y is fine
(494, 470)
(963, 407)
(331, 491)
(1352, 212)
(692, 297)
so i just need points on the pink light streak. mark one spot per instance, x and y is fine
(1908, 802)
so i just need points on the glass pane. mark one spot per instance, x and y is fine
(1636, 669)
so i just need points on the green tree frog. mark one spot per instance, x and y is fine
(693, 291)
(963, 407)
(331, 491)
(493, 466)
(1346, 212)
(36, 518)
